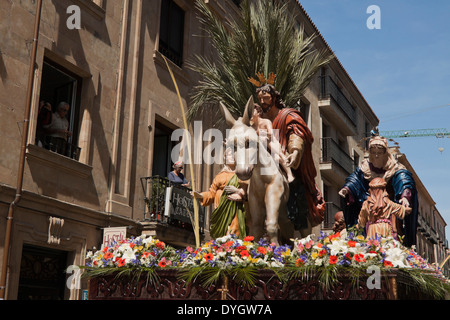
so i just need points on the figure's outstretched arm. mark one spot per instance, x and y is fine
(295, 149)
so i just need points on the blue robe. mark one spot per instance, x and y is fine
(401, 180)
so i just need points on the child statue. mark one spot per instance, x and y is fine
(378, 211)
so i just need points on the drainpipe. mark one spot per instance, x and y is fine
(26, 124)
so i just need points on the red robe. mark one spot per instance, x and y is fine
(289, 121)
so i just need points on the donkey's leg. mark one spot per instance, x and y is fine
(273, 203)
(257, 213)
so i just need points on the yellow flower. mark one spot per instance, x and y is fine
(314, 255)
(326, 240)
(360, 237)
(254, 260)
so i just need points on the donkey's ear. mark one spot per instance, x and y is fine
(228, 116)
(248, 111)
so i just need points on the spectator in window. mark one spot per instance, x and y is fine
(176, 176)
(58, 130)
(44, 119)
(59, 125)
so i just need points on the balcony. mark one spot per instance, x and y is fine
(169, 209)
(60, 146)
(336, 107)
(335, 163)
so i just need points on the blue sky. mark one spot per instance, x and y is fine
(402, 70)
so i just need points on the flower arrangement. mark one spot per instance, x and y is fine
(327, 256)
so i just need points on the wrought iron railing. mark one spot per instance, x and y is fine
(169, 203)
(329, 88)
(331, 151)
(62, 147)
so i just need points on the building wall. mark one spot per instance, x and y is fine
(431, 238)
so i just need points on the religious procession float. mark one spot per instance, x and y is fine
(329, 267)
(372, 257)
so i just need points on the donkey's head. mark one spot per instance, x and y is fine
(243, 139)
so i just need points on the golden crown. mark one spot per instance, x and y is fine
(262, 79)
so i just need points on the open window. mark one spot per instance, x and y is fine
(171, 31)
(58, 117)
(163, 145)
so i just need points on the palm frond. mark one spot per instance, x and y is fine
(264, 37)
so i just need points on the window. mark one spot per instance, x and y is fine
(58, 115)
(162, 149)
(171, 31)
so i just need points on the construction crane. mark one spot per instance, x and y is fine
(438, 133)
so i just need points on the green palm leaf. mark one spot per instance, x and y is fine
(264, 37)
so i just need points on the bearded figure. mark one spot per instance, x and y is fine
(400, 187)
(305, 202)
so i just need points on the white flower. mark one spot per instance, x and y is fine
(148, 240)
(337, 246)
(357, 249)
(397, 257)
(128, 255)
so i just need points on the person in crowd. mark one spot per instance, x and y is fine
(44, 119)
(176, 176)
(58, 130)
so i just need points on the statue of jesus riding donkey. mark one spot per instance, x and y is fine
(272, 150)
(271, 142)
(277, 162)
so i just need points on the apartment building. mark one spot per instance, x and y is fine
(432, 243)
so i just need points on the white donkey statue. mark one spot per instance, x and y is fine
(268, 189)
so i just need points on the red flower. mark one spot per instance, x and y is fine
(108, 255)
(162, 263)
(145, 254)
(262, 250)
(348, 256)
(359, 257)
(208, 256)
(299, 262)
(105, 249)
(333, 259)
(244, 253)
(249, 238)
(160, 245)
(322, 253)
(121, 262)
(351, 243)
(132, 245)
(387, 264)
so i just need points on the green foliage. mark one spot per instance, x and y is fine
(263, 37)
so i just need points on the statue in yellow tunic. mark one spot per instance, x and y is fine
(378, 212)
(227, 193)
